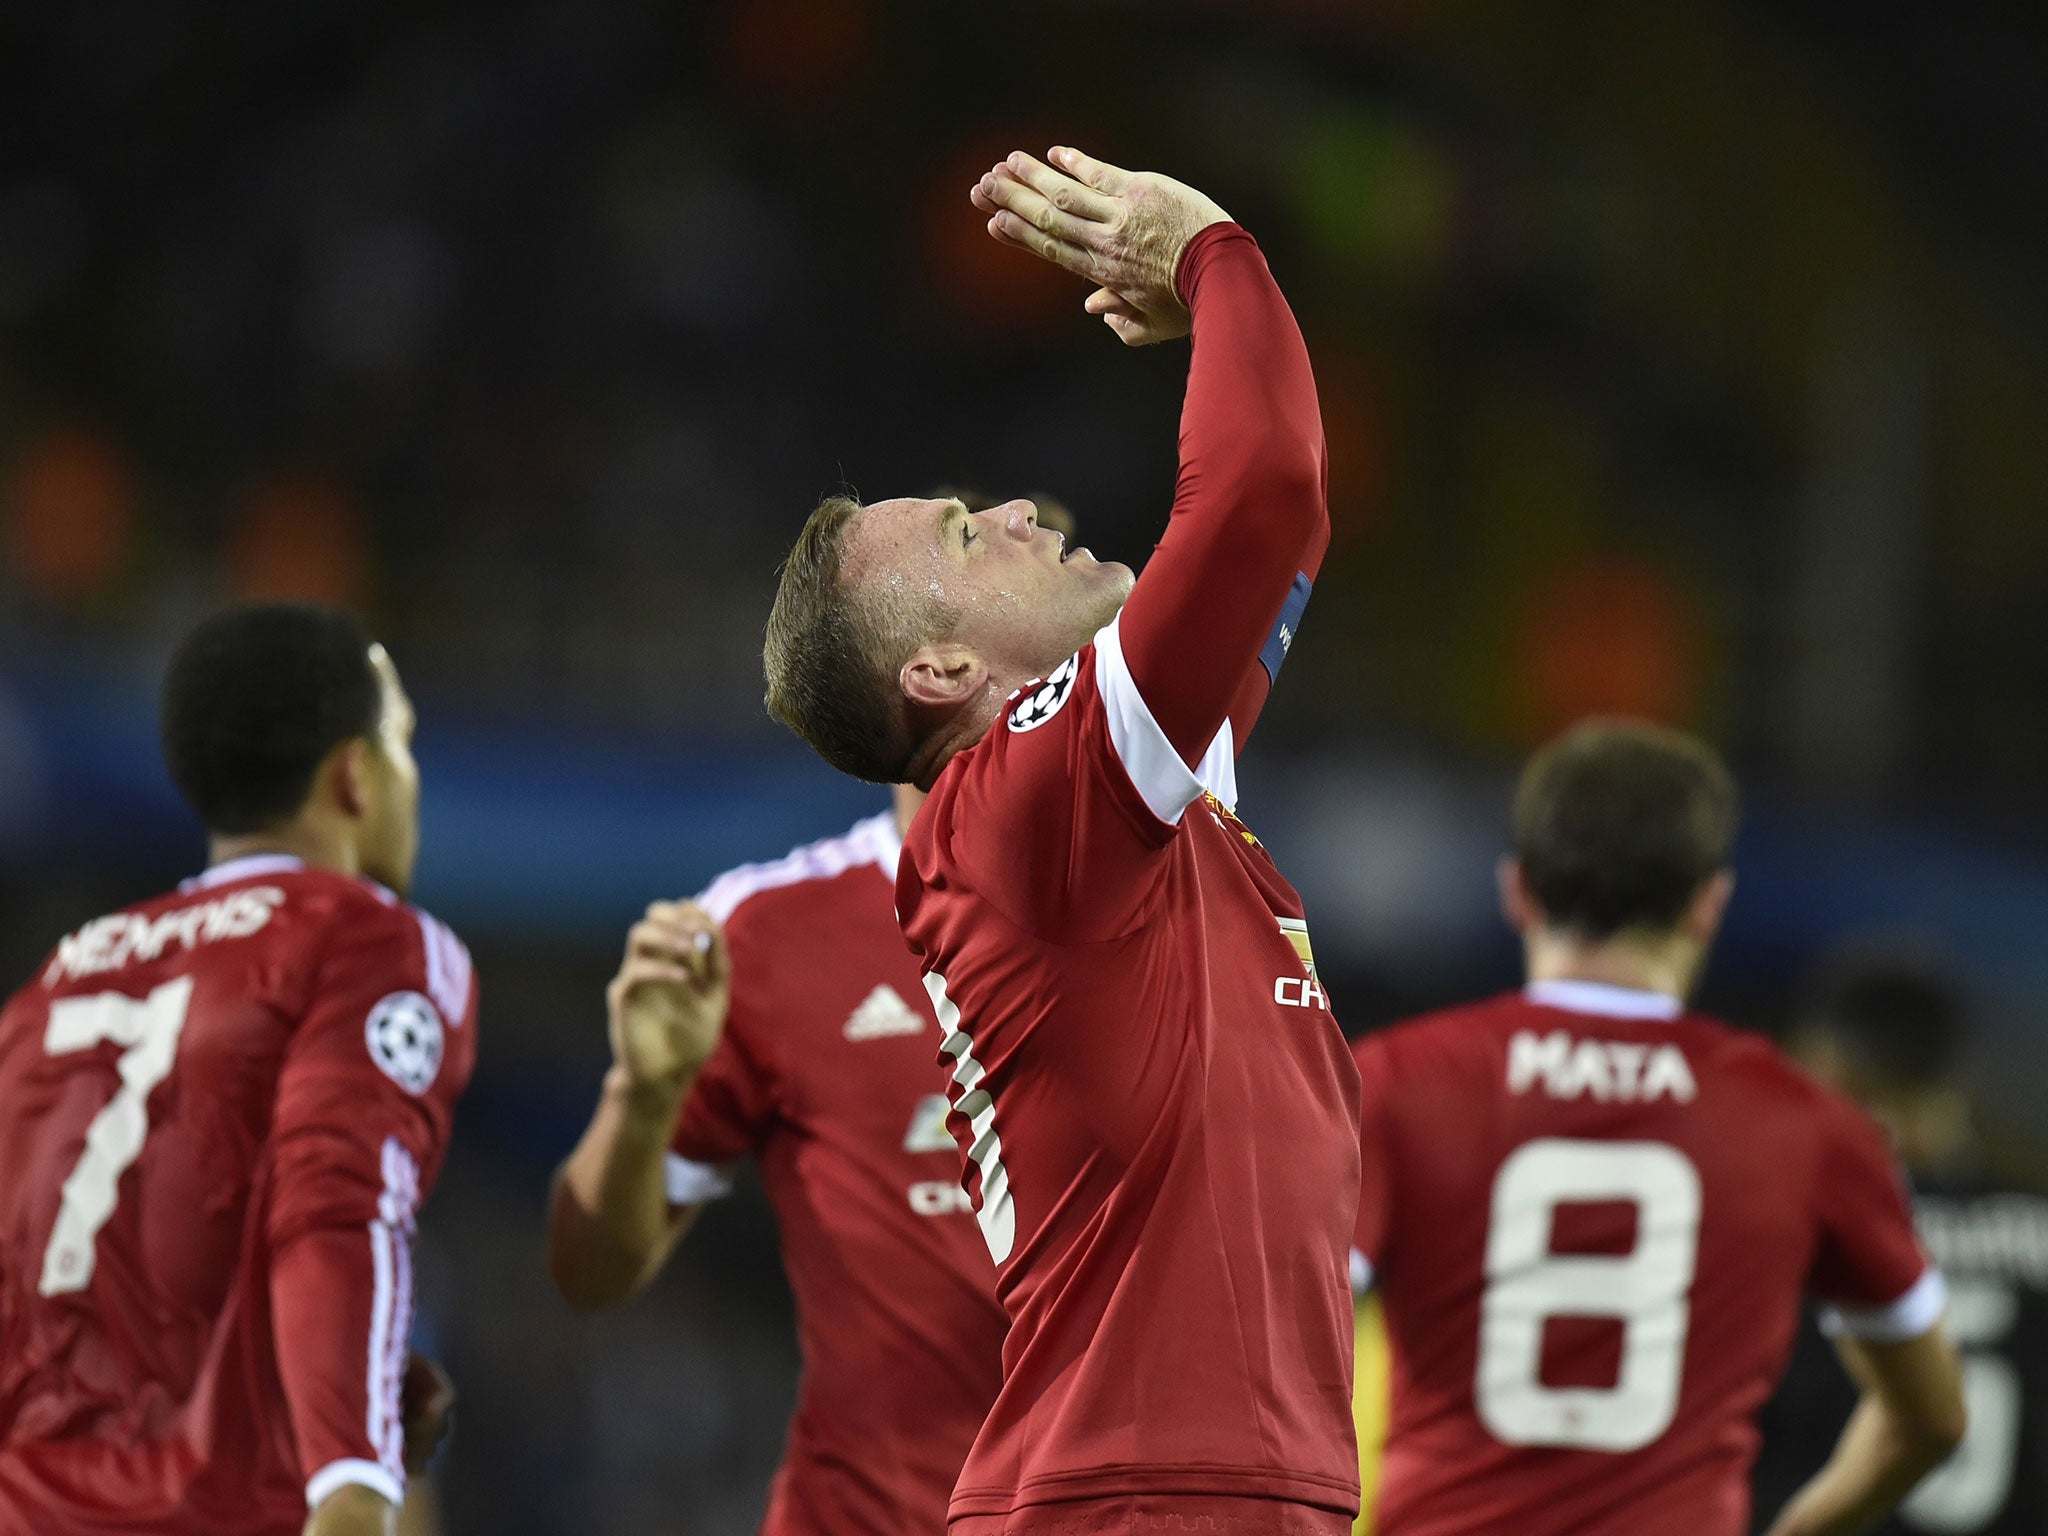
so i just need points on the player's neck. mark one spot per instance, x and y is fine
(1935, 1129)
(313, 845)
(908, 798)
(962, 730)
(1664, 963)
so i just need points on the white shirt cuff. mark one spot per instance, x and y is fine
(1907, 1318)
(692, 1183)
(373, 1475)
(1361, 1272)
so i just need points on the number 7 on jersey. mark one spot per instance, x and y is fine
(149, 1027)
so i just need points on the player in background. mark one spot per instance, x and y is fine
(1593, 1214)
(219, 1111)
(1885, 1024)
(823, 1075)
(1156, 1108)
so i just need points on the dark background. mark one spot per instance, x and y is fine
(1684, 360)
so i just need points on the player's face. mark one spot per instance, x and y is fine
(1026, 601)
(390, 837)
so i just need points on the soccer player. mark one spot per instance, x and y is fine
(1886, 1025)
(824, 1075)
(1592, 1214)
(219, 1111)
(1157, 1109)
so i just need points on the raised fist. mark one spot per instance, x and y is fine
(668, 1001)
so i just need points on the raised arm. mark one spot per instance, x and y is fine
(1216, 607)
(610, 1222)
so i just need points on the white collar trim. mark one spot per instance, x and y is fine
(245, 868)
(1603, 1000)
(885, 842)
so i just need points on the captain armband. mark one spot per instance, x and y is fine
(1281, 641)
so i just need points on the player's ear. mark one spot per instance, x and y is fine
(1517, 907)
(1708, 906)
(348, 777)
(942, 676)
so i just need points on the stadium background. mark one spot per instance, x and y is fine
(1683, 360)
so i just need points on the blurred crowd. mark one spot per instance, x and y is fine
(1684, 361)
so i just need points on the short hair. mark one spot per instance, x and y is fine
(1894, 1005)
(254, 699)
(1618, 824)
(832, 653)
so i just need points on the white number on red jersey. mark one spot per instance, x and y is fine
(998, 1217)
(1646, 1290)
(149, 1027)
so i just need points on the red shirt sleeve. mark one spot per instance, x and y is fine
(1057, 816)
(1376, 1174)
(1869, 1263)
(1211, 617)
(364, 1105)
(728, 1112)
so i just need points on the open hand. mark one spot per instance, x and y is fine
(1124, 230)
(668, 1001)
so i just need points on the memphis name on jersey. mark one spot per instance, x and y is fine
(126, 938)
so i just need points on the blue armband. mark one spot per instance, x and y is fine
(1282, 639)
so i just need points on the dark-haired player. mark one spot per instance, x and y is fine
(1886, 1024)
(219, 1111)
(1156, 1108)
(1593, 1215)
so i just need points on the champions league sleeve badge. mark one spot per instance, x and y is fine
(1045, 701)
(404, 1036)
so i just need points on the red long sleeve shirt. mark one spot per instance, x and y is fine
(1158, 1112)
(219, 1112)
(1250, 521)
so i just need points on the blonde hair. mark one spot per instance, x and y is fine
(832, 653)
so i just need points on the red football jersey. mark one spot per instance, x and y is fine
(1593, 1219)
(825, 1076)
(219, 1111)
(1158, 1112)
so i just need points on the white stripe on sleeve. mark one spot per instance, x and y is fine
(448, 967)
(1918, 1310)
(349, 1472)
(1163, 780)
(391, 1234)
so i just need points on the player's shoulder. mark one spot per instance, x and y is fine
(808, 876)
(1759, 1063)
(1030, 727)
(1051, 737)
(340, 911)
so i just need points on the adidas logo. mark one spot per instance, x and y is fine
(883, 1014)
